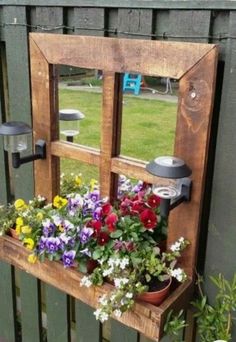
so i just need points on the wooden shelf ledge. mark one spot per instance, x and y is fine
(146, 318)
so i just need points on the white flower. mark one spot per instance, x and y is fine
(118, 313)
(85, 281)
(103, 300)
(101, 315)
(114, 261)
(129, 295)
(179, 274)
(123, 263)
(175, 247)
(181, 239)
(107, 272)
(120, 282)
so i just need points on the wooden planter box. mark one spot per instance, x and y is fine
(146, 318)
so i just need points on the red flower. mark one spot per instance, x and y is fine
(111, 222)
(137, 207)
(96, 225)
(125, 206)
(148, 218)
(154, 201)
(103, 238)
(106, 209)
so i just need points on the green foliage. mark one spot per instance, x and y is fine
(175, 323)
(214, 321)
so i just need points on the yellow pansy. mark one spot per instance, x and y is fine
(93, 184)
(32, 258)
(78, 180)
(59, 202)
(61, 228)
(39, 216)
(20, 204)
(18, 230)
(19, 221)
(26, 229)
(29, 243)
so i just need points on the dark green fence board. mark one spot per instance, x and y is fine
(31, 318)
(89, 18)
(49, 16)
(135, 20)
(220, 26)
(189, 23)
(120, 332)
(8, 304)
(220, 254)
(18, 87)
(59, 328)
(87, 327)
(178, 4)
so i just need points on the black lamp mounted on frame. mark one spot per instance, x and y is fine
(177, 189)
(16, 137)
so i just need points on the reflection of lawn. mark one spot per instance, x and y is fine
(148, 127)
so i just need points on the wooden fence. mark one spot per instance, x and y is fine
(196, 21)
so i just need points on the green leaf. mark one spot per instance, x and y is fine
(116, 234)
(97, 254)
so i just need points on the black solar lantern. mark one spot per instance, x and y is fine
(17, 136)
(176, 185)
(70, 123)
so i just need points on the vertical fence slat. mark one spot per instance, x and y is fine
(31, 318)
(87, 328)
(135, 21)
(120, 332)
(57, 315)
(58, 325)
(8, 304)
(85, 19)
(20, 109)
(221, 239)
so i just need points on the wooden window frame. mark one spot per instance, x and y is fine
(194, 66)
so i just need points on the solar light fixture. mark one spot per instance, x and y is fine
(176, 186)
(16, 137)
(69, 123)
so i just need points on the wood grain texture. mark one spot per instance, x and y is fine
(45, 119)
(193, 126)
(145, 318)
(113, 55)
(75, 151)
(111, 132)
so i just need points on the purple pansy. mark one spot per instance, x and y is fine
(42, 244)
(74, 204)
(68, 258)
(94, 196)
(53, 244)
(85, 234)
(97, 213)
(48, 228)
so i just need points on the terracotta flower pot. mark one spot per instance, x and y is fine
(156, 297)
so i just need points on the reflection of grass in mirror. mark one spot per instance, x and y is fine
(147, 131)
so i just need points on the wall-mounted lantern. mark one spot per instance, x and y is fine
(69, 123)
(16, 137)
(178, 187)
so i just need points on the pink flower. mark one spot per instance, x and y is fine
(148, 218)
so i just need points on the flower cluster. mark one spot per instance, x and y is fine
(120, 243)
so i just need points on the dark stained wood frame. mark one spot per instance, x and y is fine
(194, 65)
